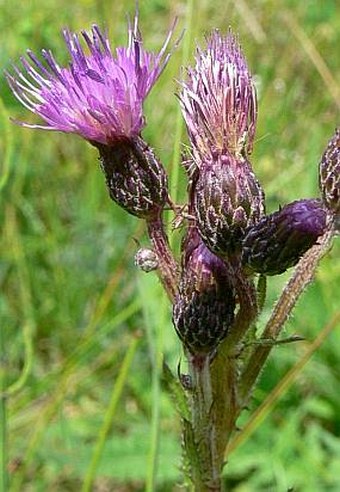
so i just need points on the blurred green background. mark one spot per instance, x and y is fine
(83, 332)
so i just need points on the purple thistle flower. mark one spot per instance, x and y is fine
(100, 95)
(279, 240)
(218, 100)
(220, 109)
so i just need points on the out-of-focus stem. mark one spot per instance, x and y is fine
(267, 405)
(168, 271)
(107, 423)
(302, 276)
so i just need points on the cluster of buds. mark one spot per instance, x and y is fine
(219, 106)
(230, 239)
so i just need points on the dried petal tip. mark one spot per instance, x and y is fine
(329, 175)
(279, 240)
(218, 99)
(204, 308)
(100, 95)
(135, 178)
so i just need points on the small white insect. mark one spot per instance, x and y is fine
(146, 259)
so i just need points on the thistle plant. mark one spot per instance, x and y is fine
(218, 285)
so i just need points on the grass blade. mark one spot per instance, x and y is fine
(104, 431)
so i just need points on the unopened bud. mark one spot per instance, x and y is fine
(227, 199)
(204, 307)
(279, 240)
(329, 177)
(135, 178)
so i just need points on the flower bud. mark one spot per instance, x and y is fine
(227, 199)
(204, 308)
(279, 240)
(329, 174)
(135, 178)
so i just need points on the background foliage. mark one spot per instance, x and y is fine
(83, 332)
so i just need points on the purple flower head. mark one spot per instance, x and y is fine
(218, 99)
(100, 95)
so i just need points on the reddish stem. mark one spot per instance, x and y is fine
(168, 269)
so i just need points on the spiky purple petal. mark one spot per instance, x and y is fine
(100, 95)
(218, 99)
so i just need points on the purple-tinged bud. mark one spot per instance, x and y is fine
(134, 176)
(329, 176)
(204, 307)
(279, 240)
(227, 199)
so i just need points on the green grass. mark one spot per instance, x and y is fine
(82, 332)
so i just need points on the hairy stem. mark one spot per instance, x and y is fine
(205, 475)
(246, 315)
(213, 415)
(302, 276)
(168, 270)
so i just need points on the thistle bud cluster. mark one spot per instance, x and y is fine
(219, 105)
